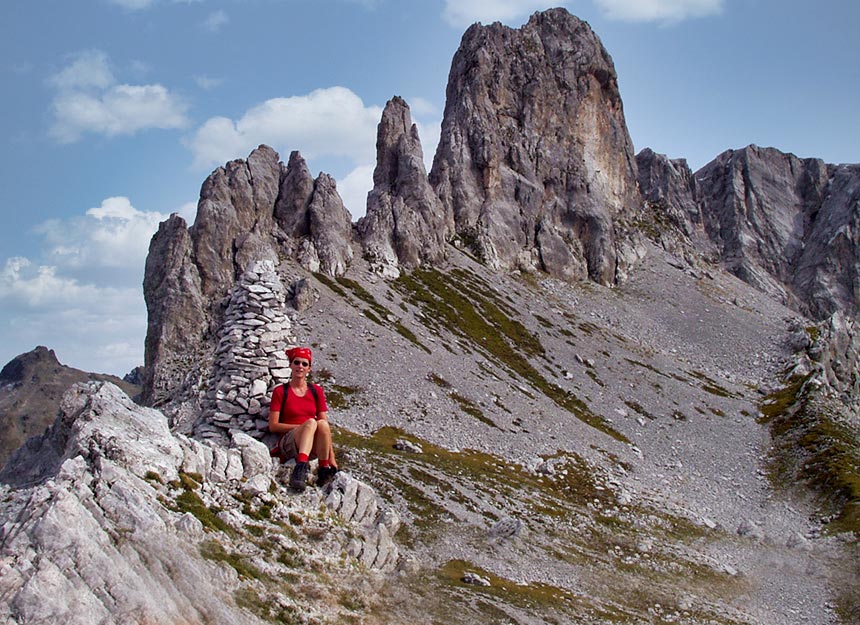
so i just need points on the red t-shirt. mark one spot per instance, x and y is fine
(296, 410)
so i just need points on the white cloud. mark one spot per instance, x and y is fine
(353, 190)
(114, 235)
(326, 122)
(87, 100)
(91, 327)
(214, 21)
(133, 5)
(83, 297)
(422, 107)
(429, 133)
(658, 10)
(89, 69)
(462, 13)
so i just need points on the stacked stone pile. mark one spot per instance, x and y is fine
(250, 355)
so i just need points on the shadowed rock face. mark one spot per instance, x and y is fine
(535, 161)
(176, 312)
(669, 184)
(406, 224)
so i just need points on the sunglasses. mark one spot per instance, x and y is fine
(301, 363)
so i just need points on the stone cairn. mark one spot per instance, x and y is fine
(250, 355)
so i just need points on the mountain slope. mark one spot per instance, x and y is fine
(31, 386)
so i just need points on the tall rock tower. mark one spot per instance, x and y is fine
(535, 161)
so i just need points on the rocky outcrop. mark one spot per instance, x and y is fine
(315, 226)
(758, 205)
(535, 161)
(234, 220)
(175, 353)
(669, 185)
(406, 225)
(249, 211)
(31, 386)
(111, 518)
(329, 248)
(785, 225)
(827, 274)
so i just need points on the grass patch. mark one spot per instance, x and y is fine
(637, 407)
(248, 599)
(337, 396)
(215, 551)
(189, 501)
(152, 476)
(712, 386)
(469, 407)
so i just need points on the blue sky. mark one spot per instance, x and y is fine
(115, 111)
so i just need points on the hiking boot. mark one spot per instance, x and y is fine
(299, 476)
(325, 475)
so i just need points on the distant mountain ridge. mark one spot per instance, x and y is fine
(31, 386)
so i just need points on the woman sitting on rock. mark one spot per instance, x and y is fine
(298, 412)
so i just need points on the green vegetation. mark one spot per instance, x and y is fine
(376, 312)
(815, 444)
(830, 446)
(190, 501)
(469, 407)
(213, 550)
(638, 408)
(461, 303)
(337, 396)
(248, 599)
(152, 476)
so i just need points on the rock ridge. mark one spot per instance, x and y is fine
(785, 225)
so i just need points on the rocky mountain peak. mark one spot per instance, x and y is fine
(406, 225)
(535, 161)
(19, 368)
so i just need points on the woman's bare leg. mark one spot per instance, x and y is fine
(305, 436)
(322, 441)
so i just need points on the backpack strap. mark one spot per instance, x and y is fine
(312, 388)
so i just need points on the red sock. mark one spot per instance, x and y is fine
(324, 463)
(301, 458)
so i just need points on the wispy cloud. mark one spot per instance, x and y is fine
(133, 5)
(462, 13)
(215, 21)
(88, 99)
(669, 11)
(207, 82)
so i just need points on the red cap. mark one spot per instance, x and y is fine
(300, 352)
